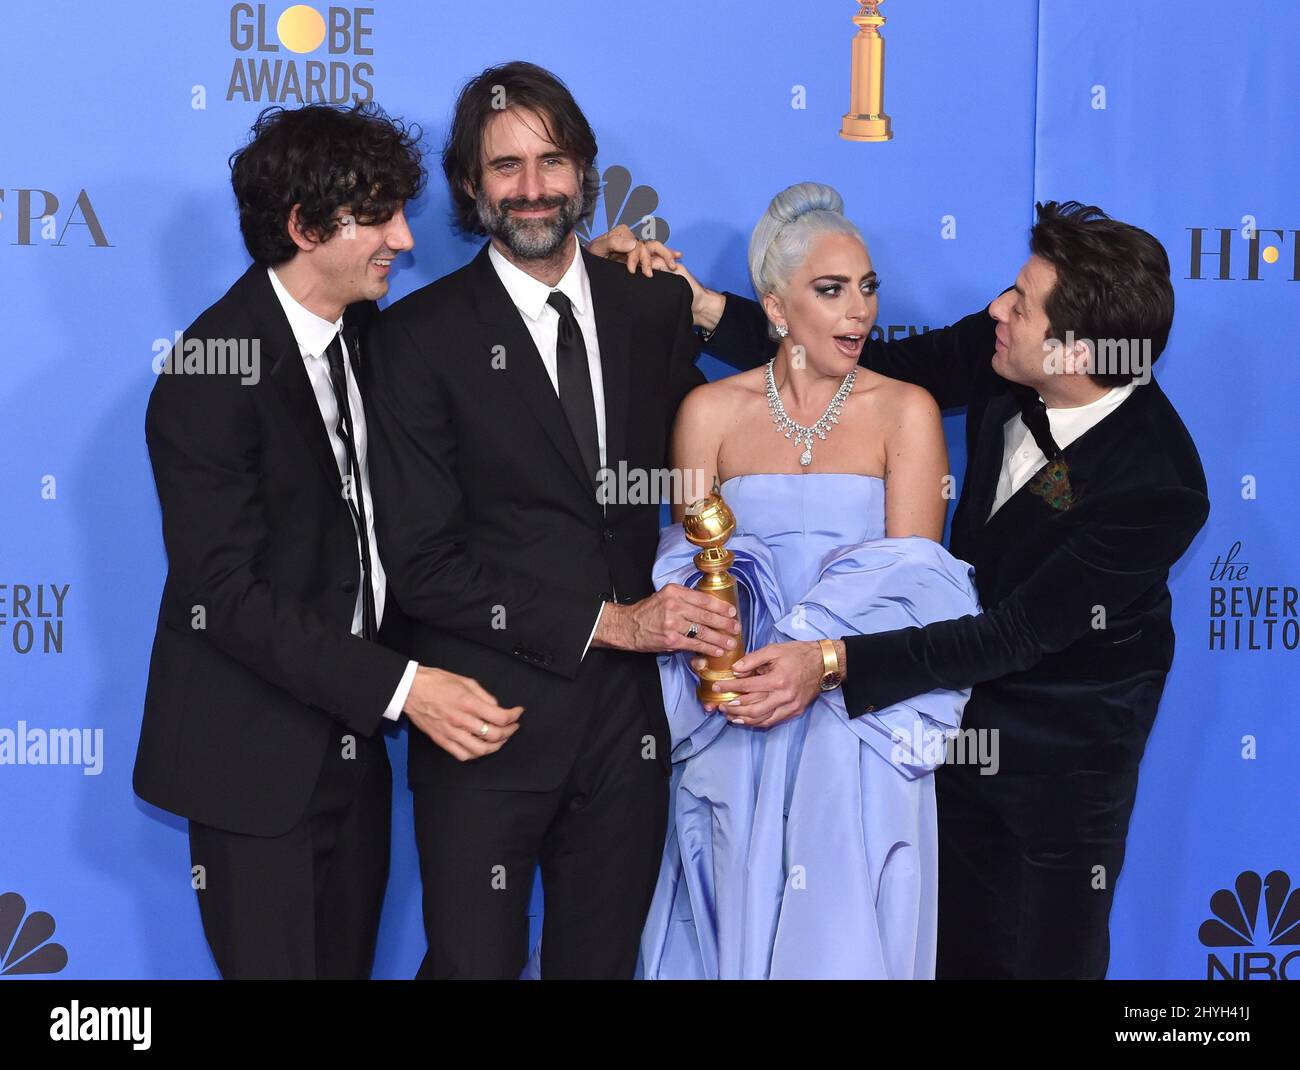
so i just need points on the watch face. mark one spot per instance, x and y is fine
(831, 681)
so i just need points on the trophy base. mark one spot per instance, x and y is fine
(704, 689)
(866, 128)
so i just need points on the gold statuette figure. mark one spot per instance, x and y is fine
(709, 523)
(866, 119)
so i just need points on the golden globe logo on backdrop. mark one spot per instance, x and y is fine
(268, 41)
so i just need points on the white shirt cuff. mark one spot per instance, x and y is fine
(402, 693)
(593, 631)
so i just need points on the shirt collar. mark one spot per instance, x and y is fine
(529, 294)
(312, 333)
(1069, 424)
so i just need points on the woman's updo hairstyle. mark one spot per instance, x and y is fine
(793, 222)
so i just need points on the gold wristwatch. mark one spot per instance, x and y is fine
(833, 675)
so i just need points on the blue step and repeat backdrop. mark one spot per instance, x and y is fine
(117, 226)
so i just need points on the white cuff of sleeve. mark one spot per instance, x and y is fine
(593, 631)
(402, 693)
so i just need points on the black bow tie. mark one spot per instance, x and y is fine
(1052, 481)
(1033, 412)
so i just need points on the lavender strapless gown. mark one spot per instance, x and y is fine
(809, 849)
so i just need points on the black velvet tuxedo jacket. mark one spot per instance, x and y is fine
(254, 663)
(1064, 693)
(495, 543)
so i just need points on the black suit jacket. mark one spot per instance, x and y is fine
(1064, 693)
(253, 663)
(496, 546)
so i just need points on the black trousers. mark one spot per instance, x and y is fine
(1027, 871)
(305, 904)
(599, 838)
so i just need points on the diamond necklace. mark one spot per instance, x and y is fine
(797, 431)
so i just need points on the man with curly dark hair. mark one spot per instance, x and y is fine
(271, 678)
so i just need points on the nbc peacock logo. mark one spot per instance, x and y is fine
(625, 204)
(1256, 914)
(25, 949)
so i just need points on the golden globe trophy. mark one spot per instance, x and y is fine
(709, 523)
(866, 119)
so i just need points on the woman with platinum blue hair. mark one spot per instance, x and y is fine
(803, 843)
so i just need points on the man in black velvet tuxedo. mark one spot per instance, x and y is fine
(501, 393)
(267, 688)
(1082, 489)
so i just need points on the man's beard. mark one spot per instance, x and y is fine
(530, 239)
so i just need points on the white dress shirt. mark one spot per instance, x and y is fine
(313, 336)
(543, 322)
(1021, 457)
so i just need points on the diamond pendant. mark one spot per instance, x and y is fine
(805, 458)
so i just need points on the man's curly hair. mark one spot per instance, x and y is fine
(321, 157)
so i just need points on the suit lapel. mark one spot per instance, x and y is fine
(985, 466)
(502, 324)
(1081, 454)
(288, 373)
(614, 335)
(356, 318)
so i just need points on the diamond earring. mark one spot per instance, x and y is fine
(782, 330)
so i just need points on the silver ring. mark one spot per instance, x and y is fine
(692, 632)
(483, 730)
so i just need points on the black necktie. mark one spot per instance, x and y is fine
(354, 496)
(575, 383)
